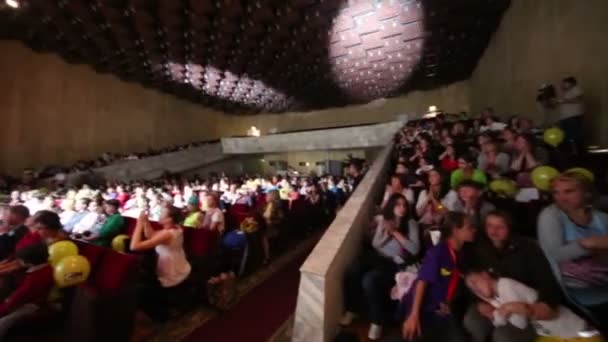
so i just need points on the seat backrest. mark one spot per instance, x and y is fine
(116, 271)
(200, 242)
(129, 226)
(94, 255)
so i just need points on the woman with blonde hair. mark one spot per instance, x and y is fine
(272, 217)
(574, 237)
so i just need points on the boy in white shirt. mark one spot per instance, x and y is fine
(511, 301)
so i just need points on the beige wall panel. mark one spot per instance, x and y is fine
(54, 112)
(542, 41)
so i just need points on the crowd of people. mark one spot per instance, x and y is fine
(162, 213)
(59, 173)
(446, 259)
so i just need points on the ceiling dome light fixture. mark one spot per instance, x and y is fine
(12, 3)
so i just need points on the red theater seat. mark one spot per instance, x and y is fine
(200, 242)
(104, 308)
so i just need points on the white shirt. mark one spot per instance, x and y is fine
(66, 216)
(214, 215)
(566, 325)
(172, 267)
(86, 224)
(569, 110)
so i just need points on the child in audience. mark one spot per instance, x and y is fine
(428, 305)
(33, 291)
(511, 300)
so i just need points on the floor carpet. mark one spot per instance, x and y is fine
(259, 313)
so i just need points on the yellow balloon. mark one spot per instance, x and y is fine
(504, 187)
(71, 270)
(553, 136)
(60, 250)
(542, 176)
(119, 243)
(583, 172)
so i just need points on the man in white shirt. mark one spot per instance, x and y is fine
(571, 110)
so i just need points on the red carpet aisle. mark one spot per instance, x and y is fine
(260, 313)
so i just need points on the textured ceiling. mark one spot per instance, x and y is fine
(248, 56)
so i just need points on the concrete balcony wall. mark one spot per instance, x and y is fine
(325, 139)
(319, 304)
(154, 167)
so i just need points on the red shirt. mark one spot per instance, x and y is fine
(449, 164)
(33, 289)
(31, 238)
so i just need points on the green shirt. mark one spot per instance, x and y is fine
(458, 176)
(109, 230)
(192, 220)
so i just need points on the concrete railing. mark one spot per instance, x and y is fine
(320, 302)
(153, 167)
(377, 135)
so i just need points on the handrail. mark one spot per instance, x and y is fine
(320, 294)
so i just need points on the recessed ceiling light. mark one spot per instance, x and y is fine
(12, 3)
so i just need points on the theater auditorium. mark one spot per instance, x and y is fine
(304, 170)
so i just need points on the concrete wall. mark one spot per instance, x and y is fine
(542, 41)
(320, 301)
(453, 98)
(55, 113)
(324, 139)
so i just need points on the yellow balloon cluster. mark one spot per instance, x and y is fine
(69, 268)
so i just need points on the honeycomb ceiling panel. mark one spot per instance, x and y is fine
(250, 56)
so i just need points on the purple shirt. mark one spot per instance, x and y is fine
(436, 271)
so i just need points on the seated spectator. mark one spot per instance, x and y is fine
(139, 203)
(13, 230)
(428, 306)
(448, 159)
(511, 301)
(355, 173)
(194, 215)
(423, 149)
(398, 185)
(33, 290)
(499, 251)
(508, 136)
(92, 221)
(214, 217)
(395, 243)
(466, 170)
(273, 217)
(67, 210)
(491, 125)
(172, 268)
(469, 200)
(525, 158)
(410, 178)
(110, 228)
(81, 210)
(574, 236)
(491, 161)
(430, 207)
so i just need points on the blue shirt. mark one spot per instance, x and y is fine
(436, 271)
